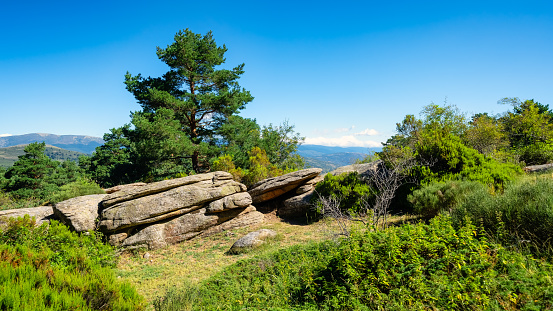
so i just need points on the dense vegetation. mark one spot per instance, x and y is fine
(36, 179)
(51, 268)
(412, 267)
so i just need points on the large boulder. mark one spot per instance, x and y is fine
(79, 213)
(181, 228)
(41, 214)
(272, 188)
(144, 209)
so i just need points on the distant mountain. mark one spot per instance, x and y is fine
(9, 155)
(78, 143)
(330, 158)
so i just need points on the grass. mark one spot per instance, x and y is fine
(198, 259)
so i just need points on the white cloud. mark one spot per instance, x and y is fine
(344, 129)
(5, 135)
(344, 141)
(367, 132)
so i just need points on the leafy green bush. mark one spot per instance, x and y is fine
(522, 214)
(413, 267)
(535, 154)
(52, 268)
(348, 187)
(433, 198)
(452, 160)
(74, 189)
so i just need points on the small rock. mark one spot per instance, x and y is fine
(252, 240)
(146, 256)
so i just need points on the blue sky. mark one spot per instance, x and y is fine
(342, 72)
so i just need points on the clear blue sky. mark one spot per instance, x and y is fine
(342, 72)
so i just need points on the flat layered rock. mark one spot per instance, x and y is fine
(232, 201)
(41, 214)
(174, 202)
(132, 193)
(271, 188)
(125, 187)
(181, 228)
(79, 213)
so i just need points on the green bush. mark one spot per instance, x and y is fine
(52, 268)
(349, 188)
(451, 160)
(433, 198)
(535, 154)
(522, 214)
(74, 189)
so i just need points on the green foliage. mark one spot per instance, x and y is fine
(34, 175)
(52, 268)
(189, 103)
(226, 163)
(240, 136)
(349, 188)
(523, 214)
(530, 131)
(434, 198)
(111, 164)
(435, 141)
(74, 189)
(31, 175)
(452, 160)
(485, 134)
(412, 267)
(268, 282)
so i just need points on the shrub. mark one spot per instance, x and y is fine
(349, 188)
(52, 268)
(74, 189)
(522, 214)
(430, 267)
(433, 198)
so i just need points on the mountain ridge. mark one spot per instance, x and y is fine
(79, 143)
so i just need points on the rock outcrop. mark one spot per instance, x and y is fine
(290, 194)
(79, 213)
(171, 211)
(252, 240)
(41, 214)
(272, 188)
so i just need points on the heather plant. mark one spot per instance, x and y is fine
(52, 268)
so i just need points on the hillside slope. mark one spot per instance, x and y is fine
(9, 155)
(78, 143)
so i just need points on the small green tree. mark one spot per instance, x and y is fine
(485, 134)
(32, 175)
